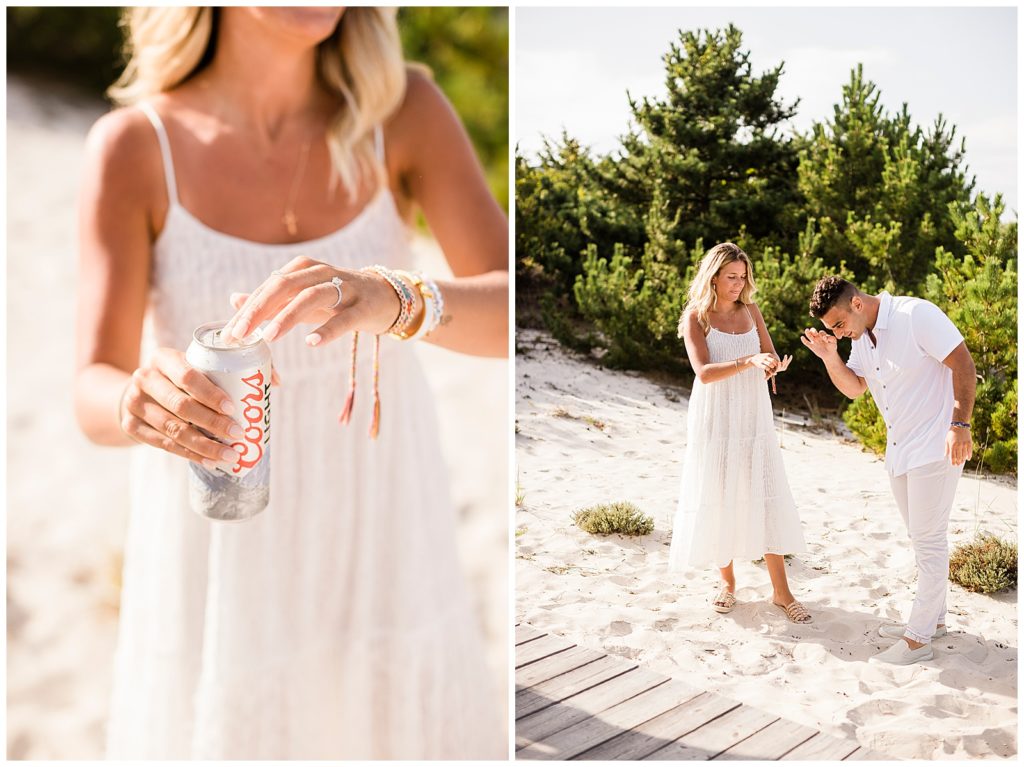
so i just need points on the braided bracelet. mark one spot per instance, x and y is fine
(405, 298)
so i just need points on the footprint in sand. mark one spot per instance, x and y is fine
(872, 710)
(620, 628)
(627, 652)
(622, 580)
(665, 625)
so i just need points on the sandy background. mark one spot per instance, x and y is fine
(614, 593)
(67, 499)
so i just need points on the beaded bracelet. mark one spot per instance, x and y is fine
(433, 292)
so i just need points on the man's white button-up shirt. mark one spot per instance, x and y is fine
(906, 377)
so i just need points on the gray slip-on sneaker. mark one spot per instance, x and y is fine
(897, 630)
(900, 654)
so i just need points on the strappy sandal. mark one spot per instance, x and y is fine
(724, 601)
(795, 611)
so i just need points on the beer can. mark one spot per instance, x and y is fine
(240, 490)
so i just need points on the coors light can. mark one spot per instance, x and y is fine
(242, 369)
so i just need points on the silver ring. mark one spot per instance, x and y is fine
(336, 284)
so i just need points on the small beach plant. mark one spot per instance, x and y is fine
(985, 565)
(620, 517)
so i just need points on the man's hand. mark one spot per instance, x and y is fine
(824, 345)
(959, 445)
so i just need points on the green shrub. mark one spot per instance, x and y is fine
(985, 565)
(621, 517)
(979, 294)
(866, 422)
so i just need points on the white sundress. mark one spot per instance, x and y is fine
(734, 499)
(336, 624)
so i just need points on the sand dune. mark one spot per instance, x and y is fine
(587, 435)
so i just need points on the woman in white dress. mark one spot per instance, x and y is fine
(734, 501)
(258, 147)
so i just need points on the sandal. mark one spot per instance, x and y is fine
(795, 611)
(724, 601)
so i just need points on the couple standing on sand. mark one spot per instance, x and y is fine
(735, 501)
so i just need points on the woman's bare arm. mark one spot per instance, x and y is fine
(113, 267)
(432, 154)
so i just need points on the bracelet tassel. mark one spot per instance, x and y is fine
(346, 412)
(375, 423)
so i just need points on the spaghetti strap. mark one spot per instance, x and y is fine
(165, 150)
(378, 143)
(747, 307)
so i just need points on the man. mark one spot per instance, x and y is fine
(922, 377)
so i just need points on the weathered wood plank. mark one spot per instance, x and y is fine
(711, 739)
(572, 741)
(771, 743)
(559, 663)
(578, 707)
(555, 690)
(665, 728)
(822, 746)
(865, 755)
(536, 649)
(525, 633)
(577, 703)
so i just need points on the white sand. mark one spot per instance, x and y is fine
(67, 499)
(615, 594)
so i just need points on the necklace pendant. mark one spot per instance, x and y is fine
(289, 223)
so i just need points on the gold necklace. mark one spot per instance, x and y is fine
(288, 219)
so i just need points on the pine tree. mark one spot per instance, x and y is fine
(715, 139)
(880, 188)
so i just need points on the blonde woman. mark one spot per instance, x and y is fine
(255, 144)
(734, 501)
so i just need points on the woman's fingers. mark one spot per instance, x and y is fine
(276, 292)
(144, 414)
(147, 435)
(336, 327)
(304, 307)
(172, 364)
(179, 405)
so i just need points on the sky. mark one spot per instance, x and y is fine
(575, 65)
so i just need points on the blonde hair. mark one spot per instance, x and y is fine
(361, 62)
(702, 297)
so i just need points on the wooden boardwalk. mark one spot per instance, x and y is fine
(574, 703)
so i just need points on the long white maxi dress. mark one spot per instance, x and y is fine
(734, 499)
(336, 624)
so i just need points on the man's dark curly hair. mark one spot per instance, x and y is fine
(830, 291)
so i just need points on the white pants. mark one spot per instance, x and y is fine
(925, 496)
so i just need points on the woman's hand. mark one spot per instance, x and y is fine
(166, 404)
(766, 361)
(302, 291)
(783, 364)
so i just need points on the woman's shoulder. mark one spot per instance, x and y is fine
(753, 308)
(123, 143)
(423, 113)
(691, 321)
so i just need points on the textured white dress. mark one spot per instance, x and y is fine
(336, 624)
(734, 499)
